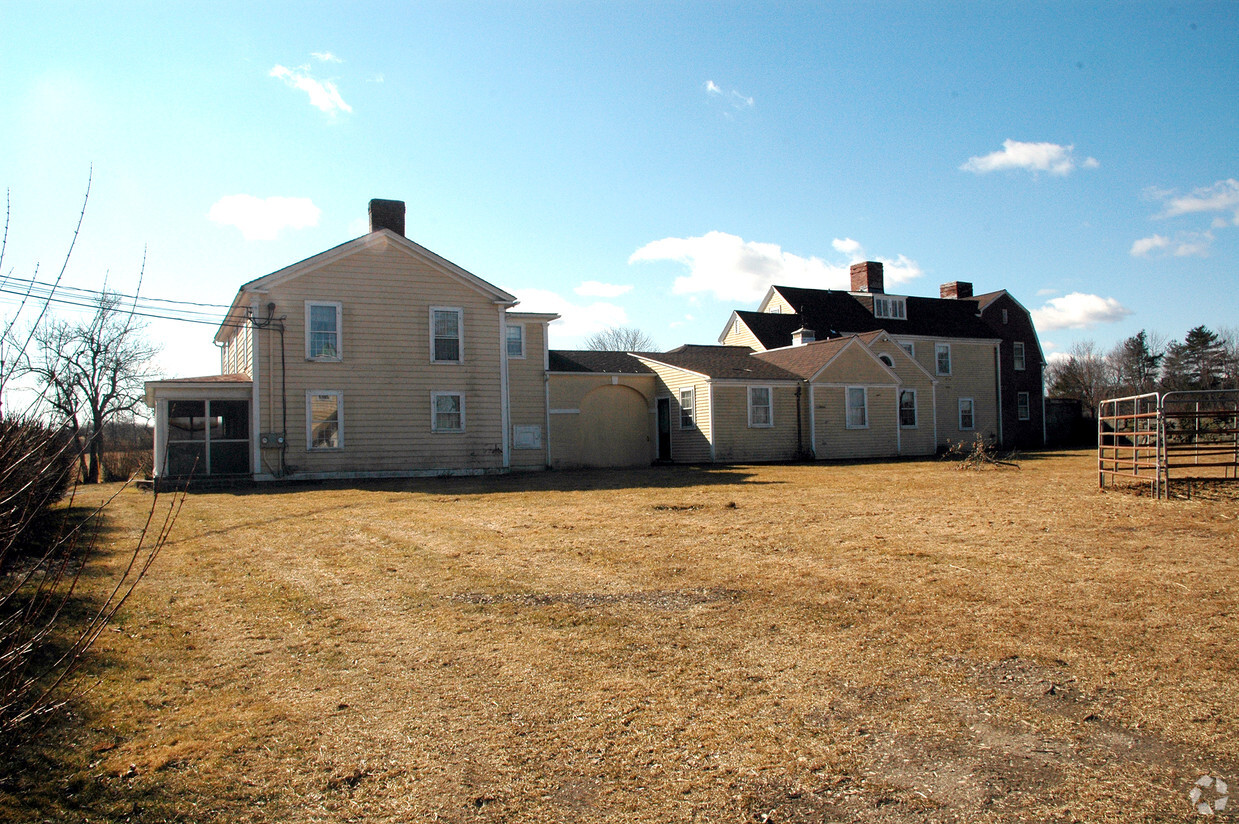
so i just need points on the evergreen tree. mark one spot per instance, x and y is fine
(1136, 364)
(1196, 363)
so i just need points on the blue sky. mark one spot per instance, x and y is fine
(641, 164)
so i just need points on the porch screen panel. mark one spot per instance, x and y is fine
(186, 452)
(230, 437)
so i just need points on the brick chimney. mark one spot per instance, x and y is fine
(867, 277)
(955, 290)
(387, 214)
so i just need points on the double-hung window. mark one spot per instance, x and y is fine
(516, 340)
(446, 335)
(907, 408)
(322, 331)
(967, 414)
(687, 408)
(1017, 351)
(324, 412)
(447, 412)
(1022, 410)
(942, 358)
(761, 412)
(857, 407)
(909, 347)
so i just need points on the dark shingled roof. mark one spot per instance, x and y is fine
(830, 314)
(586, 360)
(721, 362)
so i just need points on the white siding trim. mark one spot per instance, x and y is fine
(713, 430)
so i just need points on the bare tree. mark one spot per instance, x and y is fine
(620, 339)
(43, 548)
(1084, 374)
(92, 371)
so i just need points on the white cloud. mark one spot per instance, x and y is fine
(1078, 311)
(846, 246)
(326, 57)
(1056, 357)
(1035, 157)
(1193, 244)
(324, 95)
(597, 289)
(1222, 196)
(576, 322)
(732, 269)
(1184, 244)
(1045, 293)
(1144, 245)
(263, 218)
(732, 98)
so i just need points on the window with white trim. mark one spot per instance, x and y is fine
(516, 340)
(322, 330)
(1017, 351)
(888, 307)
(688, 407)
(967, 415)
(761, 410)
(324, 414)
(942, 358)
(908, 347)
(907, 408)
(447, 412)
(445, 335)
(857, 407)
(1022, 409)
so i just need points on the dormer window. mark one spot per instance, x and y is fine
(888, 307)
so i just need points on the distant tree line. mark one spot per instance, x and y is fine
(1146, 362)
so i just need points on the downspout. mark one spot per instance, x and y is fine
(898, 428)
(710, 400)
(998, 372)
(546, 387)
(812, 421)
(255, 394)
(504, 401)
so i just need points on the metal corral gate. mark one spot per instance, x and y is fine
(1158, 438)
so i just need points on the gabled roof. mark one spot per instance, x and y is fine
(376, 239)
(602, 363)
(719, 363)
(830, 313)
(771, 330)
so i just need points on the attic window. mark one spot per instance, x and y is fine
(888, 307)
(886, 359)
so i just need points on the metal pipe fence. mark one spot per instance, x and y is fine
(1173, 437)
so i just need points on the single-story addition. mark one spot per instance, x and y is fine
(861, 396)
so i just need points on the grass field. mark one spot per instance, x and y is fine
(886, 642)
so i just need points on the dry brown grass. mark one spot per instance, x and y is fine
(890, 642)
